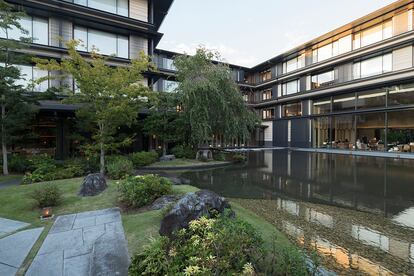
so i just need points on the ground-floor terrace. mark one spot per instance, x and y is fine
(374, 120)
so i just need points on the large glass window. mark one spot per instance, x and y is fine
(401, 95)
(37, 30)
(343, 132)
(373, 66)
(28, 75)
(370, 132)
(295, 63)
(268, 113)
(401, 23)
(119, 7)
(344, 103)
(104, 42)
(265, 75)
(322, 106)
(371, 35)
(267, 95)
(371, 99)
(292, 110)
(324, 79)
(321, 129)
(170, 86)
(400, 135)
(291, 87)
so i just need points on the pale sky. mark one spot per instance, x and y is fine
(248, 32)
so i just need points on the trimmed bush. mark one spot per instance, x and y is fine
(221, 246)
(181, 151)
(119, 167)
(47, 195)
(144, 158)
(88, 165)
(238, 158)
(139, 191)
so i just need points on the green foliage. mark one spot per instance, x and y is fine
(219, 246)
(88, 165)
(289, 262)
(119, 167)
(219, 156)
(144, 158)
(18, 163)
(182, 151)
(16, 107)
(212, 104)
(139, 191)
(110, 97)
(47, 195)
(239, 158)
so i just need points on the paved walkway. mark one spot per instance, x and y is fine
(8, 226)
(90, 243)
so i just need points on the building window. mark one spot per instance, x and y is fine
(268, 113)
(265, 75)
(292, 110)
(324, 79)
(291, 87)
(119, 7)
(371, 99)
(401, 22)
(37, 28)
(29, 74)
(246, 98)
(103, 42)
(267, 95)
(401, 95)
(343, 103)
(294, 64)
(373, 66)
(322, 106)
(168, 64)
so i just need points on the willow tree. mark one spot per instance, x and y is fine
(212, 104)
(16, 106)
(109, 97)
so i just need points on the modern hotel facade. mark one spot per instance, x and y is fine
(351, 89)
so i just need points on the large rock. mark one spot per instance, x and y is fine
(164, 201)
(93, 184)
(190, 207)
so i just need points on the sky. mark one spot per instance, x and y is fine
(248, 32)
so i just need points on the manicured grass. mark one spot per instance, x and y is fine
(184, 163)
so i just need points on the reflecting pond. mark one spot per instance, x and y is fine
(357, 211)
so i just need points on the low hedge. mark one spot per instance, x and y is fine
(143, 158)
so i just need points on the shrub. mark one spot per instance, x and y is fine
(219, 156)
(144, 158)
(47, 195)
(181, 151)
(88, 165)
(18, 163)
(219, 246)
(44, 172)
(41, 160)
(119, 167)
(238, 158)
(138, 191)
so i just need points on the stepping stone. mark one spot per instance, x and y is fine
(6, 270)
(15, 248)
(47, 264)
(9, 226)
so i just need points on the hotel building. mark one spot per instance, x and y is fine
(351, 89)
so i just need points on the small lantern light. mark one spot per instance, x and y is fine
(46, 213)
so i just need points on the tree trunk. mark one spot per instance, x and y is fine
(3, 139)
(102, 159)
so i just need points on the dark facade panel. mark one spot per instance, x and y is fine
(300, 133)
(280, 133)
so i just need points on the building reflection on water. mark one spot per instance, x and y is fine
(287, 178)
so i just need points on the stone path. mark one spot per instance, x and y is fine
(90, 243)
(8, 226)
(10, 182)
(15, 248)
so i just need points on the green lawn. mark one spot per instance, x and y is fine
(139, 227)
(184, 163)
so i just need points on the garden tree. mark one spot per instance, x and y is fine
(108, 97)
(16, 105)
(164, 121)
(212, 104)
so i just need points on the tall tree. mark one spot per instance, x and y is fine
(164, 120)
(108, 97)
(211, 101)
(15, 103)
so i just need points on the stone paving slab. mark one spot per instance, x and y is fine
(8, 226)
(15, 248)
(90, 243)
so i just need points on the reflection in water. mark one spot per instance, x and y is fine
(288, 180)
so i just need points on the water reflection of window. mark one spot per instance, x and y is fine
(375, 98)
(370, 237)
(291, 207)
(319, 218)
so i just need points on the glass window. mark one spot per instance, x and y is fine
(372, 66)
(123, 46)
(170, 86)
(123, 7)
(322, 106)
(387, 63)
(344, 103)
(357, 41)
(37, 30)
(320, 133)
(370, 99)
(81, 34)
(345, 44)
(267, 95)
(325, 52)
(37, 74)
(400, 23)
(40, 31)
(371, 35)
(119, 7)
(295, 63)
(343, 132)
(324, 79)
(400, 135)
(292, 110)
(291, 87)
(268, 113)
(28, 75)
(401, 95)
(370, 132)
(387, 30)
